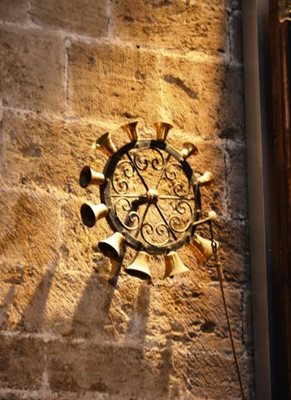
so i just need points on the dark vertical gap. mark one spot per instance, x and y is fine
(279, 147)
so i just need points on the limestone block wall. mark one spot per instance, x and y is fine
(69, 71)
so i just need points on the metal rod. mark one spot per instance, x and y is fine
(132, 195)
(163, 170)
(137, 171)
(142, 219)
(165, 221)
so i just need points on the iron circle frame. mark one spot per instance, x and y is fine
(113, 219)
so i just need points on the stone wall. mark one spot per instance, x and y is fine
(69, 71)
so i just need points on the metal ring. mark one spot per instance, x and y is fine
(117, 225)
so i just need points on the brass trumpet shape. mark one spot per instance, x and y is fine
(112, 246)
(104, 143)
(188, 150)
(140, 266)
(162, 129)
(90, 177)
(131, 130)
(205, 179)
(202, 248)
(174, 265)
(91, 213)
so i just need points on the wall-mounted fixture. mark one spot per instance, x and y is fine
(151, 199)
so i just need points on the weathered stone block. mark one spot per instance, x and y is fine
(31, 69)
(176, 25)
(13, 10)
(205, 99)
(233, 250)
(9, 396)
(236, 37)
(211, 375)
(191, 312)
(17, 395)
(234, 4)
(112, 82)
(247, 321)
(236, 181)
(82, 306)
(21, 362)
(48, 153)
(30, 232)
(112, 369)
(66, 15)
(26, 303)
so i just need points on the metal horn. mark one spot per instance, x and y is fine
(90, 177)
(174, 265)
(140, 266)
(112, 246)
(91, 213)
(131, 130)
(205, 179)
(188, 150)
(202, 248)
(162, 129)
(104, 143)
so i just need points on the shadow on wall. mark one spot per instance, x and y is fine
(93, 356)
(127, 367)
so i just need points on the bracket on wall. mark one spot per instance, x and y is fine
(151, 199)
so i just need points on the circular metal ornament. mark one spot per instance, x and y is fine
(155, 215)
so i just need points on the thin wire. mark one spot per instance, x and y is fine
(220, 278)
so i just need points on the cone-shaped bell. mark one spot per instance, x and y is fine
(90, 177)
(205, 179)
(162, 129)
(188, 150)
(202, 248)
(140, 266)
(174, 265)
(90, 213)
(112, 246)
(104, 143)
(131, 130)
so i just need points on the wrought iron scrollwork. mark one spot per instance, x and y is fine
(151, 220)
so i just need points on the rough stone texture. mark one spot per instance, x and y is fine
(35, 150)
(136, 370)
(70, 327)
(236, 39)
(112, 82)
(31, 69)
(199, 26)
(209, 98)
(66, 14)
(27, 235)
(19, 354)
(216, 385)
(236, 179)
(233, 251)
(13, 10)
